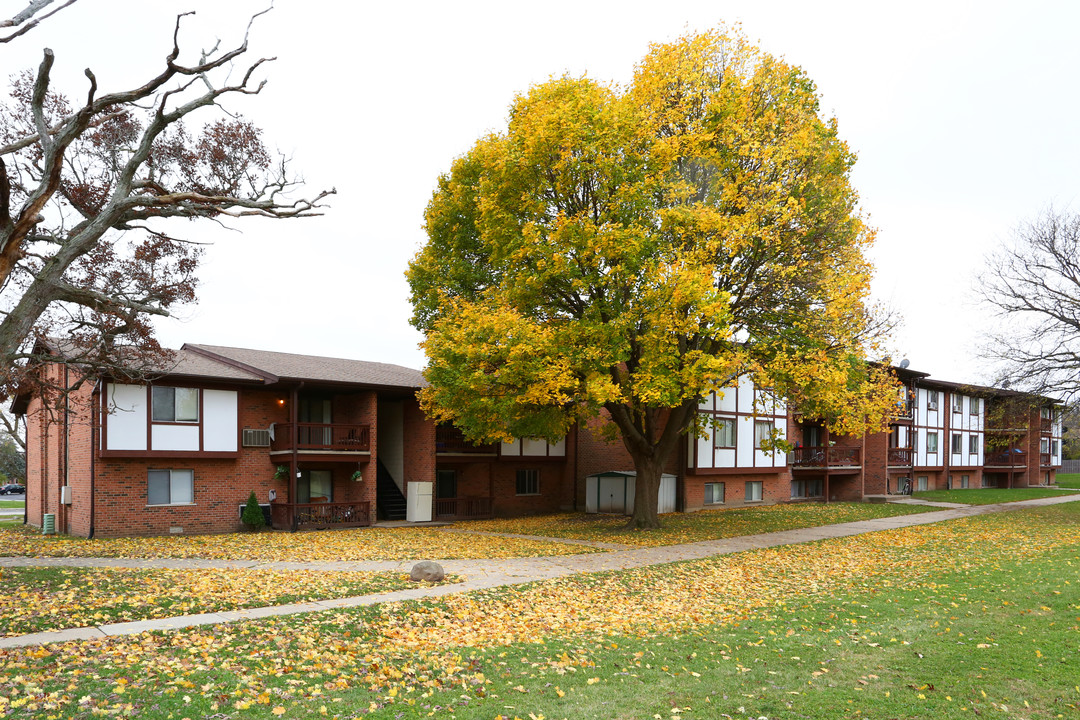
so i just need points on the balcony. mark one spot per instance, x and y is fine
(1013, 457)
(900, 457)
(320, 516)
(325, 437)
(466, 508)
(830, 457)
(450, 441)
(1045, 459)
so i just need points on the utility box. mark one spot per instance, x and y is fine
(418, 503)
(48, 524)
(613, 492)
(65, 495)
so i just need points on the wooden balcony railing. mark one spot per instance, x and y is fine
(448, 439)
(827, 457)
(1045, 424)
(315, 516)
(1044, 459)
(462, 508)
(900, 457)
(1005, 458)
(321, 436)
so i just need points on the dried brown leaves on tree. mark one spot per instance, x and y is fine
(87, 187)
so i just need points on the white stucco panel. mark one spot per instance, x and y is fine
(174, 437)
(126, 422)
(219, 420)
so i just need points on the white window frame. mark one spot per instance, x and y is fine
(158, 390)
(180, 486)
(754, 491)
(711, 491)
(931, 441)
(729, 422)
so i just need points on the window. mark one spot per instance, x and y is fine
(753, 491)
(1045, 413)
(973, 444)
(964, 482)
(973, 406)
(528, 482)
(175, 404)
(763, 430)
(931, 442)
(957, 443)
(1044, 445)
(724, 436)
(806, 488)
(921, 483)
(170, 487)
(1054, 447)
(931, 399)
(957, 403)
(714, 493)
(315, 486)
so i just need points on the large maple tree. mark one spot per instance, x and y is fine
(623, 251)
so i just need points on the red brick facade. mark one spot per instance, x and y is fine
(109, 491)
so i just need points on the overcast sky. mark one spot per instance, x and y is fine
(962, 114)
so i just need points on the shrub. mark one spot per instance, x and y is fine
(253, 514)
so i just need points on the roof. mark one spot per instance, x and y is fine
(984, 390)
(273, 367)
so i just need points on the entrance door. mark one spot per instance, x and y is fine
(314, 409)
(445, 484)
(314, 486)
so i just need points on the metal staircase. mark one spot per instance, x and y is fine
(389, 502)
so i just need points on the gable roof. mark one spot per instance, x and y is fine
(274, 367)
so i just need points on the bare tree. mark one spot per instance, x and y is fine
(89, 194)
(28, 18)
(1033, 284)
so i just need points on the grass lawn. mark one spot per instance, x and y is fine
(34, 599)
(1069, 480)
(12, 503)
(989, 496)
(693, 527)
(972, 617)
(359, 544)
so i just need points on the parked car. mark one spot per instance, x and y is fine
(12, 489)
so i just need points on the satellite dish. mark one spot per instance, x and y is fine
(904, 363)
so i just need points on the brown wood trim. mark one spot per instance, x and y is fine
(185, 454)
(778, 470)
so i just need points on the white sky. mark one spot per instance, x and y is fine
(963, 115)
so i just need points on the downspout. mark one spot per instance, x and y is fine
(94, 419)
(67, 444)
(577, 439)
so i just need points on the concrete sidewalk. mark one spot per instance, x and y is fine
(479, 574)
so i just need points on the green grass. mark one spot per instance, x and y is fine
(977, 617)
(1069, 480)
(12, 503)
(989, 496)
(678, 528)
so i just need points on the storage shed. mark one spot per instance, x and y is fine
(613, 492)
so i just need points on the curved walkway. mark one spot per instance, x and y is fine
(479, 574)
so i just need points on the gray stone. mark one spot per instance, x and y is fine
(427, 570)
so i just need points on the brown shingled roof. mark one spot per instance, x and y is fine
(273, 366)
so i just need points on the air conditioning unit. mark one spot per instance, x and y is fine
(256, 438)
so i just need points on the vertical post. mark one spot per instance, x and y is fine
(294, 464)
(828, 459)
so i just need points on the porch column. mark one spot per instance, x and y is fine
(294, 464)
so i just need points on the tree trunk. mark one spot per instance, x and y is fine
(646, 489)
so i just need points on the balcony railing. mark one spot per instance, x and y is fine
(900, 457)
(321, 436)
(1044, 458)
(448, 439)
(827, 456)
(1045, 425)
(1005, 458)
(463, 508)
(316, 516)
